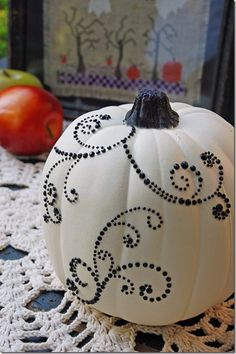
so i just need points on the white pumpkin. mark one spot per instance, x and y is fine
(139, 221)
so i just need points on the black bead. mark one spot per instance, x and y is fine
(176, 166)
(188, 202)
(184, 165)
(219, 207)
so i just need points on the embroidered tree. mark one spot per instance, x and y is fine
(83, 33)
(156, 37)
(118, 39)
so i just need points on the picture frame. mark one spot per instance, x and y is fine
(26, 52)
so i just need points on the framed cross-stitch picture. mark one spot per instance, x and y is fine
(95, 52)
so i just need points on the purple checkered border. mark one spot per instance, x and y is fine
(96, 80)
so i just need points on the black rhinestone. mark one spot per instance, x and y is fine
(184, 165)
(176, 166)
(142, 175)
(193, 168)
(181, 201)
(188, 202)
(219, 207)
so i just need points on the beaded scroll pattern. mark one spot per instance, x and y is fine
(130, 240)
(37, 315)
(90, 125)
(84, 129)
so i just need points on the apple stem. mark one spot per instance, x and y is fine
(50, 133)
(6, 73)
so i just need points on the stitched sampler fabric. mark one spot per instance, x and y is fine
(110, 49)
(26, 276)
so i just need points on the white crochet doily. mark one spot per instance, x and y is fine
(71, 326)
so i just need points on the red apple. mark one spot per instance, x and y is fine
(31, 120)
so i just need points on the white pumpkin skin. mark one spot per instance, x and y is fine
(127, 244)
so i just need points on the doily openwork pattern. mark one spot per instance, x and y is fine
(27, 279)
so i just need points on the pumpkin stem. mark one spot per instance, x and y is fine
(152, 109)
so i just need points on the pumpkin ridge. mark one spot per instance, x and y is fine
(172, 135)
(196, 271)
(227, 279)
(127, 189)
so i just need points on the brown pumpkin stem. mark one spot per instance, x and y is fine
(152, 109)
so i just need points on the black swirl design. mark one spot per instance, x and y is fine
(179, 175)
(50, 194)
(88, 126)
(53, 213)
(71, 195)
(113, 271)
(209, 159)
(185, 183)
